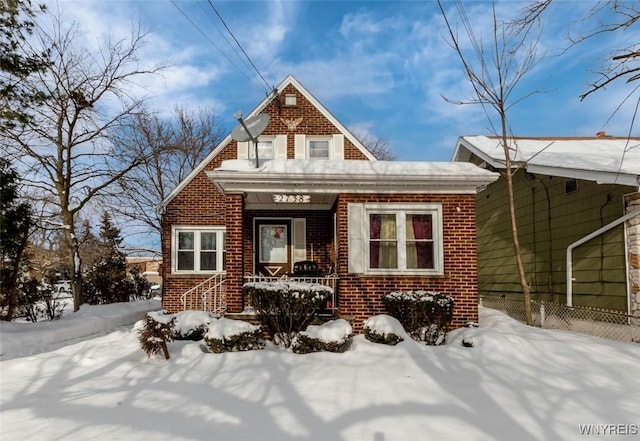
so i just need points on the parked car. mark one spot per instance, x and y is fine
(155, 290)
(62, 288)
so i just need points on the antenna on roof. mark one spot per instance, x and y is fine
(250, 129)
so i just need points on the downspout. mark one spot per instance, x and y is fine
(585, 239)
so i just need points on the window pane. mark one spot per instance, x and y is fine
(383, 252)
(224, 251)
(382, 226)
(419, 240)
(207, 261)
(265, 150)
(420, 255)
(319, 149)
(185, 240)
(185, 260)
(383, 255)
(419, 226)
(208, 241)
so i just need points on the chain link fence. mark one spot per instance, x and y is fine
(603, 323)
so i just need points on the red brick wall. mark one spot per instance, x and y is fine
(201, 204)
(361, 295)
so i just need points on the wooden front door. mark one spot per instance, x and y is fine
(273, 247)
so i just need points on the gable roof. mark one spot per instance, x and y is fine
(603, 159)
(289, 80)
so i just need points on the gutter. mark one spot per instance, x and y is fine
(585, 239)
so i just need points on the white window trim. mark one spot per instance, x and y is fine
(220, 248)
(307, 146)
(401, 210)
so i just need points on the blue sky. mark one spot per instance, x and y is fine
(378, 66)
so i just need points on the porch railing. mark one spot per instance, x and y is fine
(209, 295)
(330, 280)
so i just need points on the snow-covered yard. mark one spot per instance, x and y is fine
(516, 383)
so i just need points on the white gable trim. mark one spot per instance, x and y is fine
(289, 80)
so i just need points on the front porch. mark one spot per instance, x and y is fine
(210, 295)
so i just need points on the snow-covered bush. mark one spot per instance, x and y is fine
(226, 335)
(383, 329)
(423, 314)
(332, 336)
(156, 332)
(192, 325)
(286, 308)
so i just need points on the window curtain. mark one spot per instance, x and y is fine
(419, 241)
(383, 241)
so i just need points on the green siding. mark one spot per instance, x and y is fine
(547, 225)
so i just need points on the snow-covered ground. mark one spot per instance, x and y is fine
(515, 383)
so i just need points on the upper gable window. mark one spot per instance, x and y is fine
(290, 99)
(265, 150)
(318, 148)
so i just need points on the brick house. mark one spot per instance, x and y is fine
(317, 194)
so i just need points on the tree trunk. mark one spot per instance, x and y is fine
(74, 260)
(526, 290)
(13, 282)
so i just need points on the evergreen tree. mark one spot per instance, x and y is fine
(109, 233)
(15, 223)
(16, 23)
(107, 280)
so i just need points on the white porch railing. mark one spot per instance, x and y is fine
(209, 295)
(330, 280)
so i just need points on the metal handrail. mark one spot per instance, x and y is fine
(209, 295)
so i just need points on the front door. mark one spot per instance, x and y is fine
(273, 250)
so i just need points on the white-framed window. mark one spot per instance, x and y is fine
(198, 249)
(266, 149)
(318, 148)
(396, 238)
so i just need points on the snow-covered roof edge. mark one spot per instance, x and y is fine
(359, 176)
(289, 80)
(552, 157)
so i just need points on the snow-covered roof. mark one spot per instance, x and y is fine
(603, 159)
(317, 176)
(289, 80)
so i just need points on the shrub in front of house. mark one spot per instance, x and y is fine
(332, 336)
(286, 308)
(384, 329)
(192, 325)
(227, 335)
(423, 314)
(156, 331)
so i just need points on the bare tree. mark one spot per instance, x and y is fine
(494, 71)
(623, 63)
(64, 147)
(175, 146)
(379, 147)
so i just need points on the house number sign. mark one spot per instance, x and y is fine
(291, 198)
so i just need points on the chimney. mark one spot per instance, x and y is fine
(601, 134)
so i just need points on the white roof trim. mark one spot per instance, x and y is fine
(350, 176)
(289, 80)
(565, 157)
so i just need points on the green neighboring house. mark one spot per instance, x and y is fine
(565, 190)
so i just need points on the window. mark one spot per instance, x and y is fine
(198, 249)
(290, 99)
(318, 148)
(396, 238)
(265, 150)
